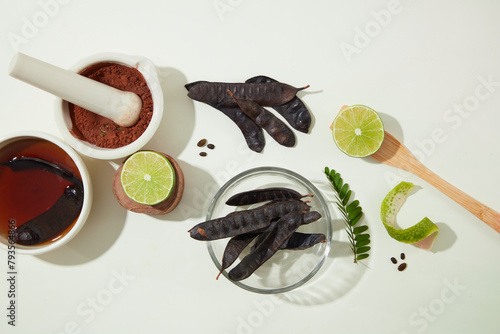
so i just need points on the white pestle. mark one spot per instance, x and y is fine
(121, 107)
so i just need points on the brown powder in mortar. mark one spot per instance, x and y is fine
(102, 131)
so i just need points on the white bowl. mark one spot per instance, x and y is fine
(148, 70)
(87, 198)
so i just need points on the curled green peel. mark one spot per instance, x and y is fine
(422, 234)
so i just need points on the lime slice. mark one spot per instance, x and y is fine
(358, 131)
(422, 234)
(147, 177)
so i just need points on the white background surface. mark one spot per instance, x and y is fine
(425, 59)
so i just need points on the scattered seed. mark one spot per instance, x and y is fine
(211, 146)
(402, 267)
(202, 143)
(393, 259)
(203, 154)
(403, 256)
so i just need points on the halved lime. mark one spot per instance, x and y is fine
(358, 131)
(147, 177)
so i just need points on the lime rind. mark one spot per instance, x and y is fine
(358, 118)
(147, 177)
(414, 234)
(391, 205)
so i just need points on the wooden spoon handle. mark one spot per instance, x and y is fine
(481, 211)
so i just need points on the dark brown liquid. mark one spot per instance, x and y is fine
(26, 194)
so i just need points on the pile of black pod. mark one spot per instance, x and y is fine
(244, 104)
(272, 225)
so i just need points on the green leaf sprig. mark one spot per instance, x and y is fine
(352, 213)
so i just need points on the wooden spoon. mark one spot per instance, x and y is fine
(395, 154)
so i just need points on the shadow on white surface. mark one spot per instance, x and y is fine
(338, 276)
(103, 226)
(446, 238)
(177, 124)
(392, 126)
(301, 95)
(195, 199)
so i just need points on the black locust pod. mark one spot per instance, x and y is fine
(192, 84)
(278, 130)
(53, 221)
(301, 241)
(307, 218)
(234, 248)
(268, 94)
(284, 228)
(252, 133)
(29, 163)
(297, 241)
(294, 111)
(245, 221)
(262, 195)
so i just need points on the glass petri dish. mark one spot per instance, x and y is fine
(287, 269)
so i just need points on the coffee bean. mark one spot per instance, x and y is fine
(393, 259)
(203, 154)
(402, 267)
(211, 146)
(202, 143)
